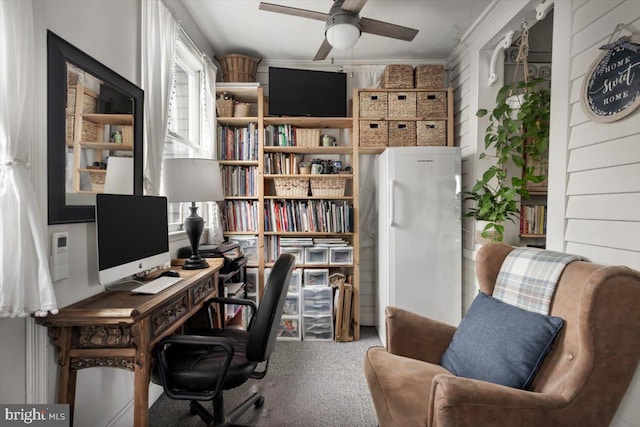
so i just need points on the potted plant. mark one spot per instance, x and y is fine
(518, 133)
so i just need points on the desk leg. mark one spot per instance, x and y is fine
(142, 376)
(67, 376)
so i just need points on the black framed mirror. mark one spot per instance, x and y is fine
(94, 116)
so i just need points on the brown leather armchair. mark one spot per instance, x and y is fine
(580, 383)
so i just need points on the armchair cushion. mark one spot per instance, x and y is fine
(500, 343)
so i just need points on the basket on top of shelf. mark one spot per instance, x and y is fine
(241, 109)
(397, 77)
(429, 76)
(291, 186)
(239, 68)
(328, 186)
(224, 107)
(307, 137)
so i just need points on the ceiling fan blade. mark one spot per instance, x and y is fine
(353, 6)
(324, 50)
(386, 29)
(304, 13)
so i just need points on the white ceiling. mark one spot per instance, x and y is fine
(238, 26)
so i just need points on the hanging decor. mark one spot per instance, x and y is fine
(611, 89)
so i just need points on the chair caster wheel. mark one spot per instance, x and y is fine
(259, 402)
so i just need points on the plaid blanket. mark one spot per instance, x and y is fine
(528, 278)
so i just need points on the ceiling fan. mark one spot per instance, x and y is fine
(343, 24)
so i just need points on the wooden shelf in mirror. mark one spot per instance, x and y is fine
(109, 119)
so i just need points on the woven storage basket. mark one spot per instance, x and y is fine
(429, 76)
(241, 109)
(307, 137)
(328, 186)
(397, 77)
(430, 104)
(402, 134)
(402, 104)
(431, 132)
(374, 133)
(373, 105)
(70, 125)
(224, 107)
(97, 181)
(89, 104)
(290, 186)
(239, 68)
(90, 131)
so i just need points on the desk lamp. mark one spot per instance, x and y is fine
(192, 180)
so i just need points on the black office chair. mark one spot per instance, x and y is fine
(199, 367)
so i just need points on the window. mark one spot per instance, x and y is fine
(186, 122)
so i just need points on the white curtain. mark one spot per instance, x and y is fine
(25, 281)
(366, 77)
(214, 226)
(159, 38)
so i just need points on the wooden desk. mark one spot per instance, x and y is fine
(119, 329)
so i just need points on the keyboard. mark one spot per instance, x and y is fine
(157, 285)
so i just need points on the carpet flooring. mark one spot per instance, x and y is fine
(309, 384)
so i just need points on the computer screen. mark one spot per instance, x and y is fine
(132, 235)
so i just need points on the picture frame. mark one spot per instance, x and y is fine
(316, 277)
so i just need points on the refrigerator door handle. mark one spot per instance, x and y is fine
(392, 199)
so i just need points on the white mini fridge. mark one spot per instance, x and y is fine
(419, 233)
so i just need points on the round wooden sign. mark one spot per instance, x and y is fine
(611, 88)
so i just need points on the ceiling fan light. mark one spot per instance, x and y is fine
(342, 36)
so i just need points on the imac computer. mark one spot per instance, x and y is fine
(132, 237)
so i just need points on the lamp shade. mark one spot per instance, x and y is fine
(119, 179)
(192, 180)
(342, 36)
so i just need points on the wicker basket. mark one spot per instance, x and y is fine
(374, 133)
(90, 132)
(328, 186)
(431, 132)
(402, 134)
(397, 77)
(97, 181)
(402, 104)
(429, 76)
(373, 105)
(70, 122)
(290, 186)
(241, 109)
(430, 104)
(224, 107)
(239, 68)
(307, 137)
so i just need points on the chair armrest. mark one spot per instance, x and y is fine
(457, 401)
(236, 301)
(415, 336)
(196, 341)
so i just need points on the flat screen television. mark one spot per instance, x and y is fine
(294, 92)
(132, 235)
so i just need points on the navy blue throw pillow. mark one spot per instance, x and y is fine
(500, 343)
